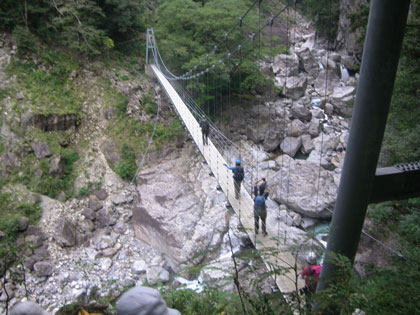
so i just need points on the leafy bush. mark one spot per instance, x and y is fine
(127, 167)
(83, 191)
(24, 40)
(380, 213)
(151, 108)
(409, 226)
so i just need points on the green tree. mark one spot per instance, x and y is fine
(186, 31)
(122, 18)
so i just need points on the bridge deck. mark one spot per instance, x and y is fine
(243, 206)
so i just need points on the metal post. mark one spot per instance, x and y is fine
(381, 52)
(147, 47)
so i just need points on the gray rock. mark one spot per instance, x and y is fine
(94, 203)
(23, 223)
(139, 267)
(291, 145)
(27, 308)
(10, 161)
(43, 269)
(9, 290)
(118, 199)
(301, 112)
(295, 87)
(272, 140)
(29, 263)
(105, 263)
(156, 274)
(89, 214)
(20, 96)
(42, 251)
(86, 226)
(314, 128)
(62, 196)
(109, 252)
(343, 99)
(326, 82)
(307, 144)
(308, 62)
(285, 217)
(65, 233)
(297, 219)
(33, 230)
(286, 65)
(41, 149)
(105, 241)
(293, 186)
(57, 166)
(296, 128)
(329, 108)
(120, 228)
(34, 240)
(103, 218)
(173, 215)
(101, 194)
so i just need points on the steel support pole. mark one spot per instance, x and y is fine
(387, 19)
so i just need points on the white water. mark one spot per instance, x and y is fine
(344, 72)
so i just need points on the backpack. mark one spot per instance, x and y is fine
(238, 173)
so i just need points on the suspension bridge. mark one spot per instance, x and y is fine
(357, 188)
(281, 259)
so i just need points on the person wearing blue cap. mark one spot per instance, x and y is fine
(238, 176)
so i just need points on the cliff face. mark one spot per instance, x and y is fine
(350, 34)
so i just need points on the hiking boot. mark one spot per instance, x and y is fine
(264, 233)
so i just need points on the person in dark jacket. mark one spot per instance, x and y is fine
(260, 211)
(262, 188)
(205, 129)
(238, 177)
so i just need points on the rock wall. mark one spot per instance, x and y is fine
(348, 41)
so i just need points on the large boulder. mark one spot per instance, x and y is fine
(295, 87)
(286, 65)
(57, 166)
(301, 112)
(272, 140)
(326, 82)
(296, 128)
(65, 233)
(41, 149)
(291, 145)
(305, 188)
(175, 214)
(343, 99)
(43, 269)
(94, 203)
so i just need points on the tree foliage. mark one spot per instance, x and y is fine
(186, 31)
(87, 26)
(402, 136)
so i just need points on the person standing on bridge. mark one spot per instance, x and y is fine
(238, 177)
(311, 274)
(262, 189)
(260, 209)
(205, 129)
